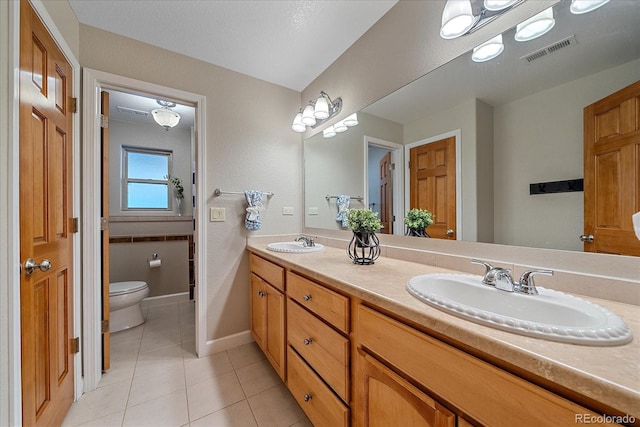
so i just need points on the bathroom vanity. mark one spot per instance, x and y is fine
(355, 348)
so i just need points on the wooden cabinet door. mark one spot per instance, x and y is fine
(275, 330)
(383, 398)
(258, 308)
(612, 172)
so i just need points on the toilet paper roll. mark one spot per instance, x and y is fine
(155, 263)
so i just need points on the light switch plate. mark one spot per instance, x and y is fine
(287, 210)
(313, 211)
(217, 214)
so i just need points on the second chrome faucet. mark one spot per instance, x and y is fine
(501, 278)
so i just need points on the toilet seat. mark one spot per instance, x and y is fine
(122, 288)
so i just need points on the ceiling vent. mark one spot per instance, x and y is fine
(552, 48)
(132, 111)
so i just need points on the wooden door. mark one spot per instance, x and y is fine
(46, 190)
(385, 399)
(612, 172)
(386, 194)
(104, 141)
(432, 184)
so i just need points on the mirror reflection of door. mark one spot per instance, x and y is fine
(380, 186)
(432, 184)
(612, 172)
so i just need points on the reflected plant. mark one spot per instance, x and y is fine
(177, 186)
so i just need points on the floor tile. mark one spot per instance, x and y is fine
(149, 387)
(127, 334)
(206, 368)
(257, 377)
(169, 410)
(210, 396)
(112, 420)
(237, 415)
(99, 403)
(245, 355)
(275, 408)
(119, 371)
(158, 341)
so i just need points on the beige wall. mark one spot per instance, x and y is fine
(538, 139)
(336, 166)
(242, 154)
(66, 21)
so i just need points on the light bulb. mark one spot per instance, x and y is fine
(307, 116)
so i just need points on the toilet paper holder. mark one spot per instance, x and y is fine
(154, 261)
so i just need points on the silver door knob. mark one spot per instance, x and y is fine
(30, 266)
(307, 397)
(587, 238)
(450, 232)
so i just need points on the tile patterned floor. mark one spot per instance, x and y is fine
(156, 380)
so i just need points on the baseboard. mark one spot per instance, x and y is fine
(165, 299)
(226, 343)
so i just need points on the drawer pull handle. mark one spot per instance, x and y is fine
(260, 294)
(307, 341)
(307, 297)
(307, 397)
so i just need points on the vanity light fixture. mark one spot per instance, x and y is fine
(164, 116)
(488, 50)
(579, 7)
(316, 112)
(535, 26)
(329, 132)
(461, 17)
(352, 120)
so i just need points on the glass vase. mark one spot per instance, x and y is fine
(179, 205)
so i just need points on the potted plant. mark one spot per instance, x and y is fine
(417, 221)
(364, 247)
(178, 191)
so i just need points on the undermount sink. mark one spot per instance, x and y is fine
(296, 247)
(550, 315)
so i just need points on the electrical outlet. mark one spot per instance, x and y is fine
(216, 214)
(313, 211)
(287, 210)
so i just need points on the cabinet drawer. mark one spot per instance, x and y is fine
(329, 305)
(488, 394)
(317, 401)
(272, 273)
(324, 349)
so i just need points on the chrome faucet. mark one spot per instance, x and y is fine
(526, 285)
(501, 278)
(491, 273)
(307, 241)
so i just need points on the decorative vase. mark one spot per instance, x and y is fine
(364, 248)
(179, 205)
(417, 232)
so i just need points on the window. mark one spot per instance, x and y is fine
(145, 184)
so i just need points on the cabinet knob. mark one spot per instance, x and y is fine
(307, 297)
(260, 294)
(307, 341)
(307, 397)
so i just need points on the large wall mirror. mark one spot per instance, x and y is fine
(516, 120)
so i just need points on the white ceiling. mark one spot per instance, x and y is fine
(288, 43)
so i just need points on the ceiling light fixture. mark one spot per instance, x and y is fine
(578, 7)
(461, 17)
(488, 50)
(164, 116)
(316, 112)
(536, 26)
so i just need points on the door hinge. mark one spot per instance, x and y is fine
(104, 224)
(409, 165)
(105, 326)
(75, 345)
(74, 224)
(74, 105)
(104, 121)
(392, 166)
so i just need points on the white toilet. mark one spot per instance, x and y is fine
(124, 304)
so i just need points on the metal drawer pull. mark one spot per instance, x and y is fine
(307, 397)
(307, 341)
(307, 297)
(30, 266)
(260, 294)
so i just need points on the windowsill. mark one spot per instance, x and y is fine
(138, 218)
